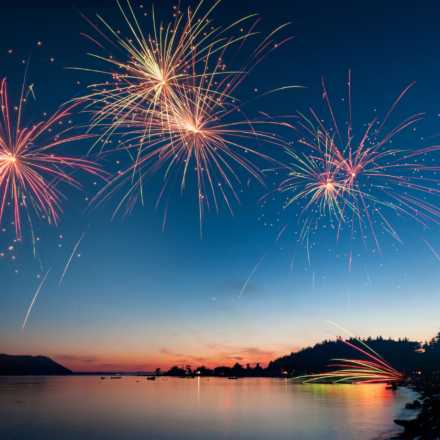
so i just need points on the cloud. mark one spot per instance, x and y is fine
(222, 354)
(254, 351)
(107, 362)
(207, 354)
(236, 358)
(77, 358)
(183, 358)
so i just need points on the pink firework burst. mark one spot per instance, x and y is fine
(31, 170)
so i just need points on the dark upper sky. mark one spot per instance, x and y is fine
(135, 295)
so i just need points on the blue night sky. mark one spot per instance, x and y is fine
(137, 297)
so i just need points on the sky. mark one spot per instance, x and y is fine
(136, 295)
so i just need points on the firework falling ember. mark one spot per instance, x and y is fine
(30, 168)
(69, 260)
(372, 369)
(184, 116)
(250, 276)
(433, 250)
(34, 298)
(357, 180)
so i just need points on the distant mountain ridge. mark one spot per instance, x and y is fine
(11, 365)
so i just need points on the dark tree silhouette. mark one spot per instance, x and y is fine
(176, 371)
(403, 354)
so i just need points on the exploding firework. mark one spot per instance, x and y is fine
(175, 107)
(200, 132)
(147, 69)
(371, 369)
(359, 180)
(316, 180)
(30, 168)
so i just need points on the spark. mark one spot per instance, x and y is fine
(31, 305)
(251, 275)
(32, 91)
(431, 248)
(69, 260)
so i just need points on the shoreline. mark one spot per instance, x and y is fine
(426, 423)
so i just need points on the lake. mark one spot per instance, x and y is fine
(86, 407)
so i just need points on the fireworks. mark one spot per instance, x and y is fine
(174, 108)
(315, 179)
(372, 369)
(196, 133)
(69, 260)
(30, 168)
(153, 67)
(34, 298)
(358, 179)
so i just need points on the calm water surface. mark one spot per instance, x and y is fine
(176, 409)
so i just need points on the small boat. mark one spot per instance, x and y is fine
(151, 377)
(233, 378)
(115, 377)
(102, 377)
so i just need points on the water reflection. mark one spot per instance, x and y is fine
(201, 408)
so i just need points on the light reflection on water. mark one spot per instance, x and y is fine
(203, 408)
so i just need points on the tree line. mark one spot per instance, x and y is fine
(403, 354)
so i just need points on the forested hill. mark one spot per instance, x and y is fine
(11, 365)
(405, 355)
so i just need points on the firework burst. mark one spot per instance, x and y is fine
(371, 369)
(30, 168)
(360, 179)
(201, 132)
(316, 180)
(147, 69)
(174, 108)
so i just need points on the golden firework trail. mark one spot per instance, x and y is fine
(371, 369)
